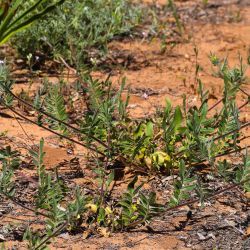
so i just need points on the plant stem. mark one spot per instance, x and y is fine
(221, 136)
(222, 154)
(217, 103)
(176, 17)
(52, 131)
(244, 104)
(54, 118)
(195, 200)
(244, 92)
(23, 206)
(232, 131)
(56, 231)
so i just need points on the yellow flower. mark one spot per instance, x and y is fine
(160, 157)
(108, 210)
(93, 208)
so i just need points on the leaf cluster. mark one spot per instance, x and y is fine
(76, 27)
(14, 19)
(173, 141)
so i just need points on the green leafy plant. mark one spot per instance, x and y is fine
(183, 186)
(14, 19)
(138, 208)
(9, 158)
(243, 173)
(78, 31)
(174, 141)
(34, 240)
(172, 6)
(6, 183)
(54, 105)
(5, 83)
(50, 194)
(10, 161)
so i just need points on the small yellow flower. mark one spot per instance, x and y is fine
(108, 210)
(160, 157)
(93, 208)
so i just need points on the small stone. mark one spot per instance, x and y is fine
(132, 106)
(145, 96)
(230, 223)
(201, 236)
(64, 236)
(19, 61)
(169, 178)
(2, 238)
(211, 235)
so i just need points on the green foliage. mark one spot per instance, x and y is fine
(6, 184)
(191, 135)
(183, 186)
(49, 195)
(75, 210)
(243, 173)
(34, 240)
(5, 84)
(54, 105)
(10, 161)
(14, 19)
(2, 246)
(233, 77)
(172, 7)
(103, 178)
(137, 207)
(133, 207)
(76, 27)
(175, 140)
(9, 158)
(50, 192)
(106, 113)
(174, 123)
(225, 170)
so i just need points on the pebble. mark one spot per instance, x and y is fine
(2, 238)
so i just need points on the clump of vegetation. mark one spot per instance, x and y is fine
(13, 18)
(173, 141)
(78, 31)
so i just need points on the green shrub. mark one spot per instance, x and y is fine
(76, 27)
(175, 141)
(14, 18)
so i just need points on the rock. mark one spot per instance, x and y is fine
(201, 236)
(2, 238)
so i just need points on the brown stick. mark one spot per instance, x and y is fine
(23, 206)
(54, 132)
(232, 131)
(54, 118)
